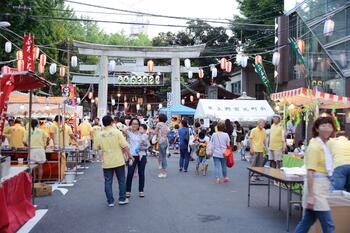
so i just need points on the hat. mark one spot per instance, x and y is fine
(276, 115)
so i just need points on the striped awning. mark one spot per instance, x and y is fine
(304, 96)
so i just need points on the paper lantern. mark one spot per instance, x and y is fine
(74, 61)
(214, 72)
(239, 58)
(125, 105)
(190, 74)
(228, 66)
(223, 62)
(200, 73)
(198, 95)
(96, 99)
(78, 100)
(36, 53)
(53, 68)
(111, 65)
(8, 47)
(43, 59)
(187, 63)
(183, 101)
(150, 66)
(112, 102)
(41, 68)
(244, 61)
(19, 55)
(20, 65)
(191, 98)
(258, 59)
(276, 58)
(160, 106)
(149, 107)
(301, 45)
(92, 101)
(5, 70)
(62, 71)
(328, 27)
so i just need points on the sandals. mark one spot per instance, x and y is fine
(142, 194)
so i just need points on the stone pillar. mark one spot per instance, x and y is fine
(103, 87)
(175, 80)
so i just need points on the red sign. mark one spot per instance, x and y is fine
(6, 87)
(68, 90)
(28, 46)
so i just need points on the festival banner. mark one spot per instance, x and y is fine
(259, 69)
(68, 91)
(28, 58)
(6, 83)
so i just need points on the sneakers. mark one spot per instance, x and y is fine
(128, 194)
(161, 175)
(126, 201)
(111, 205)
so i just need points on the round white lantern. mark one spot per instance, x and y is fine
(8, 47)
(328, 27)
(53, 68)
(214, 72)
(160, 106)
(74, 61)
(187, 63)
(244, 61)
(190, 74)
(111, 65)
(276, 58)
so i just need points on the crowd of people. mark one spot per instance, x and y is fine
(122, 143)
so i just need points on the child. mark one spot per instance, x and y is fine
(144, 142)
(202, 158)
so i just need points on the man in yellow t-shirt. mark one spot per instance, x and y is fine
(340, 149)
(257, 141)
(58, 138)
(277, 142)
(85, 129)
(16, 134)
(115, 151)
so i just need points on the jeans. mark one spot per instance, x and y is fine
(310, 217)
(184, 157)
(162, 154)
(108, 174)
(141, 164)
(217, 162)
(341, 178)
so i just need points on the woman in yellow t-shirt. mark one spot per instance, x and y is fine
(38, 142)
(319, 165)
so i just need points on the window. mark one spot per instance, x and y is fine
(236, 87)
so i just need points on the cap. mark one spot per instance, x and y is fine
(276, 115)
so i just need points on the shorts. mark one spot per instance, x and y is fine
(275, 155)
(37, 155)
(202, 159)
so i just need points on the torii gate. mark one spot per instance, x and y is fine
(175, 53)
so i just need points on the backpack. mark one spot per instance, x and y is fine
(202, 147)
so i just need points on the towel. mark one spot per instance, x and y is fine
(328, 157)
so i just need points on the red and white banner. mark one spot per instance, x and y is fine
(68, 90)
(6, 88)
(28, 56)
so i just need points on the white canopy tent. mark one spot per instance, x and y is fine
(235, 110)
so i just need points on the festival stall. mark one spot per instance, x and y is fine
(242, 110)
(178, 109)
(303, 102)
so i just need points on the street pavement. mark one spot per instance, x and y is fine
(181, 203)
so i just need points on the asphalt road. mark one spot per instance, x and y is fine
(183, 202)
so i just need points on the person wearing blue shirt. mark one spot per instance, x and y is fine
(184, 137)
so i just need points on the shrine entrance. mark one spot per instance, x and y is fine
(142, 77)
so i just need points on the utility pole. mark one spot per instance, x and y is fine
(68, 61)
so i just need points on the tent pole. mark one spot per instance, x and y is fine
(30, 128)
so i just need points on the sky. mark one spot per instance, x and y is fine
(223, 9)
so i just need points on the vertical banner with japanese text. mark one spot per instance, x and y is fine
(28, 58)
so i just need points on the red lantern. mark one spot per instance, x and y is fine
(301, 45)
(5, 70)
(36, 52)
(200, 73)
(223, 62)
(43, 59)
(19, 55)
(20, 65)
(62, 71)
(150, 66)
(41, 68)
(258, 59)
(228, 66)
